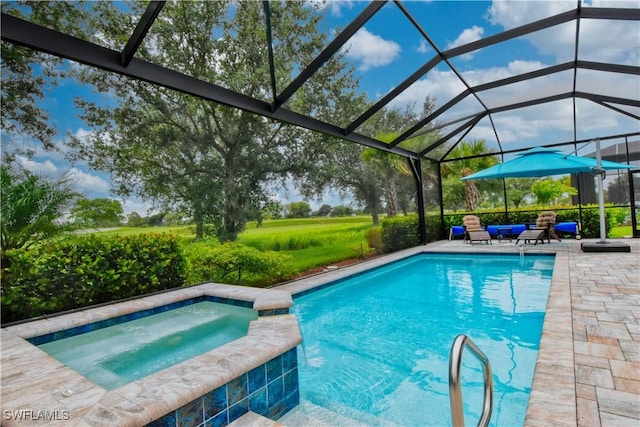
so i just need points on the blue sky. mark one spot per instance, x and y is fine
(388, 49)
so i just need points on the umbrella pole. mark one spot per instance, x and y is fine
(603, 226)
(603, 245)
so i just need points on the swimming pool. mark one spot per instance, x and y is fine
(376, 346)
(121, 353)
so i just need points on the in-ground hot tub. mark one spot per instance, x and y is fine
(256, 372)
(123, 350)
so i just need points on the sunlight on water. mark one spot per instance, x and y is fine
(377, 345)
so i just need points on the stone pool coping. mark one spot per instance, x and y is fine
(32, 380)
(553, 392)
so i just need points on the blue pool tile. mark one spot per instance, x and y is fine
(291, 400)
(277, 411)
(191, 414)
(290, 380)
(220, 420)
(168, 420)
(273, 312)
(257, 378)
(236, 302)
(258, 402)
(238, 410)
(237, 389)
(274, 369)
(275, 391)
(215, 401)
(290, 360)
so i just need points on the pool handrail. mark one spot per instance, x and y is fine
(455, 391)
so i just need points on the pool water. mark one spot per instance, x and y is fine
(376, 346)
(122, 353)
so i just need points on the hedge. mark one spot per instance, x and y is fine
(236, 263)
(79, 271)
(590, 218)
(400, 232)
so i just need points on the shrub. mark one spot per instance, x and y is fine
(433, 227)
(400, 232)
(374, 239)
(86, 270)
(236, 263)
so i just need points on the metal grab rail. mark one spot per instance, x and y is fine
(455, 392)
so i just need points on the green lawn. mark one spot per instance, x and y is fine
(312, 242)
(621, 231)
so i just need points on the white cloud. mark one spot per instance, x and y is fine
(467, 36)
(370, 50)
(424, 47)
(88, 183)
(533, 124)
(138, 205)
(334, 6)
(513, 13)
(82, 134)
(46, 168)
(600, 39)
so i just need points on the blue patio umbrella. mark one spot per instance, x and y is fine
(540, 161)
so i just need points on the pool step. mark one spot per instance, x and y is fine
(251, 419)
(309, 415)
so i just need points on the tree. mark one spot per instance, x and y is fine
(389, 166)
(298, 210)
(26, 73)
(454, 196)
(96, 213)
(173, 218)
(344, 167)
(323, 210)
(342, 210)
(339, 166)
(468, 165)
(547, 190)
(135, 220)
(208, 160)
(273, 209)
(518, 190)
(32, 208)
(156, 220)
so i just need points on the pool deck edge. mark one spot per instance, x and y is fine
(553, 393)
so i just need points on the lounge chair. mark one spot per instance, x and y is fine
(474, 231)
(535, 234)
(479, 236)
(546, 221)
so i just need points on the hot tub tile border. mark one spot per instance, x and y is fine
(232, 400)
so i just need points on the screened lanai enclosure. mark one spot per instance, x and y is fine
(448, 88)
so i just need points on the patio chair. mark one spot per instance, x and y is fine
(535, 234)
(546, 221)
(474, 231)
(479, 236)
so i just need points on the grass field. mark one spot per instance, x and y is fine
(621, 231)
(312, 242)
